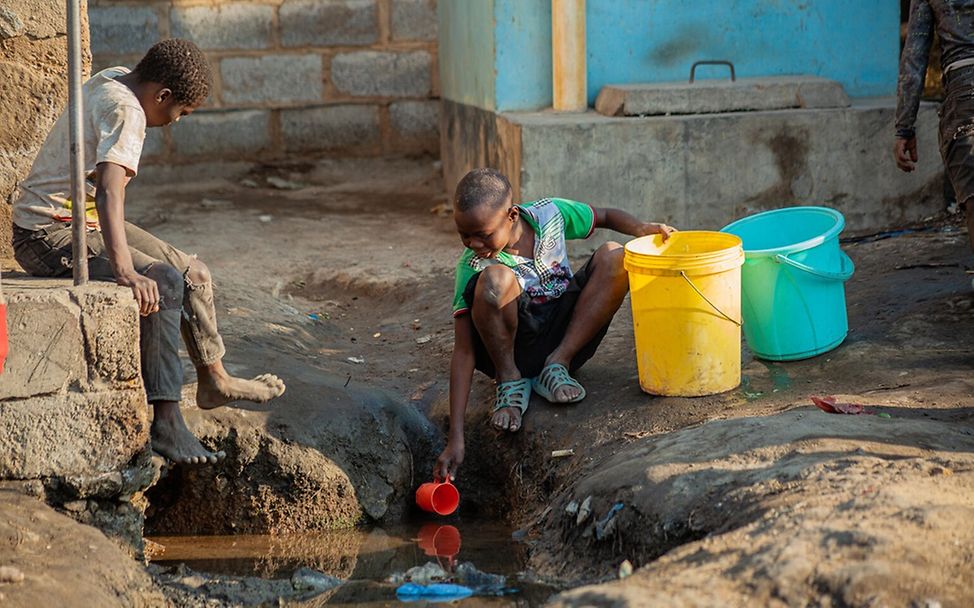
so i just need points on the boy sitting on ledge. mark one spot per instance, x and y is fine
(173, 289)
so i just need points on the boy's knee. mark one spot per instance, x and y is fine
(169, 281)
(612, 256)
(198, 273)
(496, 285)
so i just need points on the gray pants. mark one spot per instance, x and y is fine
(185, 307)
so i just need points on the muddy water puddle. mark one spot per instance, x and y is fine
(373, 562)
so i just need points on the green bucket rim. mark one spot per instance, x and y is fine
(805, 245)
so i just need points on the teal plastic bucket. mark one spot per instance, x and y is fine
(793, 282)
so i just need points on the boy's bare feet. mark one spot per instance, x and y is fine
(217, 388)
(172, 439)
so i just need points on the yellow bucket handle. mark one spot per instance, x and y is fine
(707, 300)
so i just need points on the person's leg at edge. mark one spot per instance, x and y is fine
(162, 373)
(216, 387)
(494, 315)
(598, 302)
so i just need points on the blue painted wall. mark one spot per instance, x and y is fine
(466, 44)
(855, 42)
(496, 54)
(523, 54)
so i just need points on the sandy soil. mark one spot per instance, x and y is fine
(345, 282)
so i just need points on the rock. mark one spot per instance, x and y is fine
(625, 569)
(10, 574)
(786, 509)
(584, 511)
(306, 579)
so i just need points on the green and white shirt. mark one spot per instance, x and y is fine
(545, 276)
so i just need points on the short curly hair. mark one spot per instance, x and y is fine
(484, 186)
(180, 66)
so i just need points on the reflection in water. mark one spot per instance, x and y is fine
(370, 559)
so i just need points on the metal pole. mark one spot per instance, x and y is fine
(79, 197)
(568, 70)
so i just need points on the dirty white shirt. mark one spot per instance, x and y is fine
(114, 129)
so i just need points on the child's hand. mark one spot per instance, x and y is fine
(449, 461)
(654, 228)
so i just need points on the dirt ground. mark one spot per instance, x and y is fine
(339, 279)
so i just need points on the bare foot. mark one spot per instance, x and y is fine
(220, 388)
(171, 438)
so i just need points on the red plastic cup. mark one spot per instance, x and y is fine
(439, 540)
(440, 497)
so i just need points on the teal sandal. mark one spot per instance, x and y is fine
(513, 393)
(553, 377)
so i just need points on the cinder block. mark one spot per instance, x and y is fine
(415, 119)
(382, 74)
(330, 127)
(118, 31)
(72, 433)
(333, 22)
(272, 78)
(232, 133)
(110, 323)
(45, 342)
(234, 25)
(414, 20)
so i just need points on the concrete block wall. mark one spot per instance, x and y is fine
(33, 89)
(355, 77)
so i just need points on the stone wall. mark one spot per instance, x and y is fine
(291, 77)
(33, 88)
(73, 413)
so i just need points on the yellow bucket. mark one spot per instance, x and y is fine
(686, 312)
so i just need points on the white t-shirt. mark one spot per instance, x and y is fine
(114, 129)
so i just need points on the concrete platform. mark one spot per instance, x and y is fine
(73, 413)
(705, 170)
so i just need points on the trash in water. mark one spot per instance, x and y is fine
(605, 526)
(625, 569)
(283, 184)
(441, 592)
(572, 508)
(562, 453)
(306, 579)
(584, 511)
(355, 359)
(424, 575)
(377, 335)
(883, 415)
(482, 583)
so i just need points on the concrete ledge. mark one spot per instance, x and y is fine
(71, 397)
(705, 170)
(711, 96)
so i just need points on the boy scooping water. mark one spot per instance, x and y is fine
(521, 315)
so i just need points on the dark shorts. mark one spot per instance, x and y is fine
(540, 329)
(957, 132)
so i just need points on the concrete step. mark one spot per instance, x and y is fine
(712, 96)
